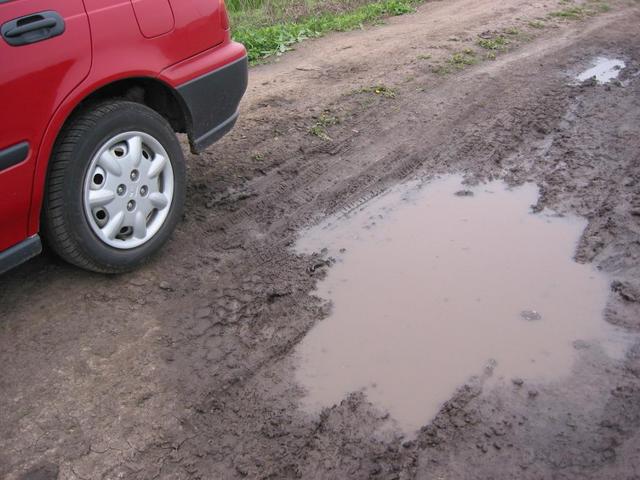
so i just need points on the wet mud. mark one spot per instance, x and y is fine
(429, 287)
(189, 368)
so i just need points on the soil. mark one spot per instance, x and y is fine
(183, 370)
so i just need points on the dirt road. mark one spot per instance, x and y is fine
(183, 370)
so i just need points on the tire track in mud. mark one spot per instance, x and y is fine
(237, 299)
(490, 149)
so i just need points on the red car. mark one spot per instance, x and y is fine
(91, 95)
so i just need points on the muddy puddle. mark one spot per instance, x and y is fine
(433, 283)
(603, 70)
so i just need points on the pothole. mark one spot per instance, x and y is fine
(603, 70)
(430, 284)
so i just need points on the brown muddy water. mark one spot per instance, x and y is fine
(433, 283)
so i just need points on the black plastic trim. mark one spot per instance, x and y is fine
(212, 102)
(13, 155)
(20, 253)
(32, 28)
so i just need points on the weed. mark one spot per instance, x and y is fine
(319, 129)
(571, 13)
(327, 120)
(499, 42)
(537, 24)
(462, 59)
(381, 90)
(441, 69)
(320, 132)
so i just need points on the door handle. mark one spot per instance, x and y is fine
(32, 28)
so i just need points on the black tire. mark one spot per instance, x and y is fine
(66, 228)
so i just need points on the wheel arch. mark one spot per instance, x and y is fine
(148, 91)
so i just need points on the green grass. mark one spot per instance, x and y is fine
(267, 28)
(571, 13)
(457, 61)
(579, 12)
(539, 24)
(381, 90)
(498, 42)
(319, 129)
(462, 59)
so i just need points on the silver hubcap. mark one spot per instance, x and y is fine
(128, 190)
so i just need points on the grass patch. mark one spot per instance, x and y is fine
(463, 59)
(381, 90)
(571, 13)
(499, 42)
(459, 61)
(539, 24)
(287, 28)
(320, 132)
(325, 120)
(578, 12)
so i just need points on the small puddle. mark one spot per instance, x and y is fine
(431, 284)
(604, 70)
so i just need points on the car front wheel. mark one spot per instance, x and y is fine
(115, 189)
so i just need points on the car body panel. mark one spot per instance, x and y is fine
(62, 62)
(154, 17)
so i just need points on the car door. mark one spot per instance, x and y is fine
(45, 51)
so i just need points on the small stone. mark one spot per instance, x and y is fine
(490, 366)
(533, 393)
(530, 315)
(580, 345)
(165, 286)
(464, 193)
(517, 381)
(203, 312)
(137, 282)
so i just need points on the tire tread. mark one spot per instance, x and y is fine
(58, 233)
